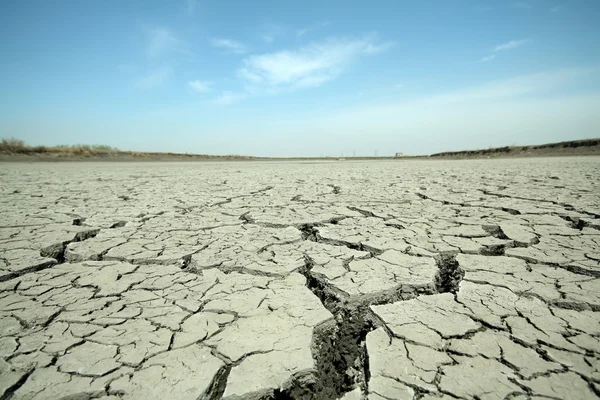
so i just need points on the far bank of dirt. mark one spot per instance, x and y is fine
(584, 147)
(587, 147)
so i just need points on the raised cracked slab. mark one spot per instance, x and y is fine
(380, 280)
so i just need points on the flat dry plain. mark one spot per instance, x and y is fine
(272, 280)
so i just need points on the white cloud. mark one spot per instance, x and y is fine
(312, 65)
(227, 98)
(160, 41)
(154, 78)
(268, 39)
(513, 44)
(200, 86)
(487, 58)
(229, 45)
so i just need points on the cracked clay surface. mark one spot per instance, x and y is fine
(343, 280)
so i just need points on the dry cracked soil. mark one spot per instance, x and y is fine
(340, 280)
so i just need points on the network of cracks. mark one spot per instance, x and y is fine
(389, 280)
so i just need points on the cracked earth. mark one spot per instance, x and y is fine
(355, 280)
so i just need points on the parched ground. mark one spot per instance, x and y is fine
(354, 280)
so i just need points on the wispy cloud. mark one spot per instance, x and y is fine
(227, 98)
(557, 8)
(270, 32)
(538, 83)
(229, 45)
(154, 78)
(312, 65)
(200, 86)
(522, 5)
(160, 41)
(191, 6)
(513, 108)
(513, 44)
(304, 31)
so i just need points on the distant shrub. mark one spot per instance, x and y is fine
(38, 149)
(18, 146)
(13, 145)
(81, 149)
(103, 147)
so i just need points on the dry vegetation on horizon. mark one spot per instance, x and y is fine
(17, 147)
(574, 147)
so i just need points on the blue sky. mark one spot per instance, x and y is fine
(300, 78)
